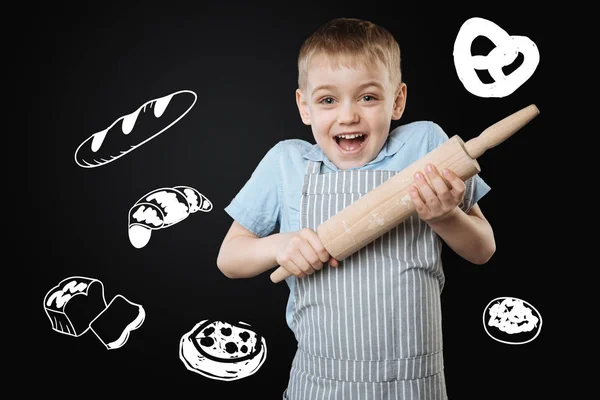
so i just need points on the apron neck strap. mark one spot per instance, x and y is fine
(313, 167)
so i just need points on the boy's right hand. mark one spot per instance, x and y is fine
(302, 253)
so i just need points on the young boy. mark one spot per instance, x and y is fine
(369, 326)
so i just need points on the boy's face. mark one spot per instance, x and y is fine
(349, 109)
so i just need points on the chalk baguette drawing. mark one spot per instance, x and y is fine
(222, 351)
(130, 131)
(77, 304)
(506, 51)
(162, 208)
(512, 321)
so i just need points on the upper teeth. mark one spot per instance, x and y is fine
(350, 136)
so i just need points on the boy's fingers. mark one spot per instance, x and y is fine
(318, 247)
(439, 185)
(416, 198)
(310, 255)
(333, 262)
(458, 186)
(291, 266)
(301, 262)
(427, 193)
(453, 179)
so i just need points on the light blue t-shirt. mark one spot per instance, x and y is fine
(269, 202)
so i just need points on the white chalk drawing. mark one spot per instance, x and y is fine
(222, 350)
(77, 304)
(505, 53)
(131, 131)
(162, 208)
(114, 325)
(512, 321)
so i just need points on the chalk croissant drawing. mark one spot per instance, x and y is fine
(506, 51)
(77, 305)
(223, 351)
(131, 131)
(162, 208)
(512, 321)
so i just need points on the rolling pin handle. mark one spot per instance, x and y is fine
(279, 275)
(500, 131)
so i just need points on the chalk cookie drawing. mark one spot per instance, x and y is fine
(131, 131)
(512, 321)
(505, 53)
(162, 208)
(223, 351)
(77, 304)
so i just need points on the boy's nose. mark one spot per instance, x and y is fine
(348, 114)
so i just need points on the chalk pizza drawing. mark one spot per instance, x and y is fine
(162, 208)
(77, 305)
(512, 321)
(505, 53)
(223, 351)
(130, 131)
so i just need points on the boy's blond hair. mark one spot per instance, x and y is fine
(348, 41)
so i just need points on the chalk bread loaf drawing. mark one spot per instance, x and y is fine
(222, 350)
(162, 208)
(73, 304)
(77, 304)
(131, 131)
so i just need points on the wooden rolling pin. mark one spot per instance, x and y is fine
(386, 206)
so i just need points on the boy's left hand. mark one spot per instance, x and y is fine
(439, 199)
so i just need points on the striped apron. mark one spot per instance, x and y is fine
(371, 328)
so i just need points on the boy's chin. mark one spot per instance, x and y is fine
(349, 163)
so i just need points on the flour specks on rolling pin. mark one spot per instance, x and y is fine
(346, 229)
(375, 221)
(406, 200)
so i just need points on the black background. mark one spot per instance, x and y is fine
(88, 65)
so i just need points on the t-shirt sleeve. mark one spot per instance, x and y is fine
(476, 187)
(257, 205)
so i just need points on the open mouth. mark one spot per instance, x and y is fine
(351, 143)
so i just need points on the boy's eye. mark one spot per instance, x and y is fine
(368, 97)
(327, 100)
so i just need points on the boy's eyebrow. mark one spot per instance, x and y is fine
(323, 87)
(371, 83)
(364, 85)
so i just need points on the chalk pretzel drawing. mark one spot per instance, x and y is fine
(131, 131)
(506, 51)
(162, 208)
(77, 304)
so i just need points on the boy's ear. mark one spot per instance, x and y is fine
(302, 107)
(399, 102)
